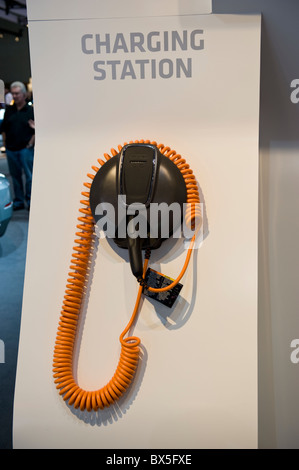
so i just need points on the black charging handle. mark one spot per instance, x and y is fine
(136, 181)
(136, 177)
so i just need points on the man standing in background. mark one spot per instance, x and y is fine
(18, 138)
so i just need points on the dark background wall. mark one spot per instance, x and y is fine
(279, 62)
(14, 55)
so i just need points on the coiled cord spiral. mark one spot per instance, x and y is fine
(75, 291)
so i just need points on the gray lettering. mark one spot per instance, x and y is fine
(101, 71)
(113, 64)
(105, 43)
(128, 70)
(163, 70)
(142, 66)
(137, 41)
(176, 39)
(150, 46)
(180, 66)
(165, 40)
(153, 64)
(120, 43)
(155, 41)
(83, 44)
(194, 45)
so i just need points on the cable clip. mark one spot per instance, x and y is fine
(142, 282)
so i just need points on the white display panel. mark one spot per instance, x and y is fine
(196, 386)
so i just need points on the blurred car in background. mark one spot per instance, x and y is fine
(6, 204)
(2, 111)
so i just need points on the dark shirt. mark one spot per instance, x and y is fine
(16, 127)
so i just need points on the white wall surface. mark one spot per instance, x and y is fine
(43, 9)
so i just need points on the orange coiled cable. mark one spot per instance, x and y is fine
(75, 291)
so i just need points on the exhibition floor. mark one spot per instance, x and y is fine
(12, 268)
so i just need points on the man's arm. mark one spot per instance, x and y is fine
(31, 123)
(31, 141)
